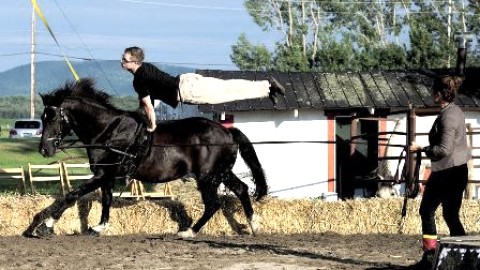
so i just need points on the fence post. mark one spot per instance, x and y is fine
(411, 135)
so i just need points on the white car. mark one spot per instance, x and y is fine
(26, 128)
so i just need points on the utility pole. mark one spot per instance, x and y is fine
(32, 66)
(463, 40)
(449, 28)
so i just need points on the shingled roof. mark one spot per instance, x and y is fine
(383, 90)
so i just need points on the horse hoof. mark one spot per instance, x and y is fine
(29, 234)
(187, 234)
(43, 231)
(255, 224)
(92, 232)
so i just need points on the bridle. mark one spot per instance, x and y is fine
(64, 122)
(126, 156)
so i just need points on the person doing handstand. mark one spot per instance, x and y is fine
(151, 83)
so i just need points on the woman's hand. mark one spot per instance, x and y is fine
(414, 147)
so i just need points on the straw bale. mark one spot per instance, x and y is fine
(360, 216)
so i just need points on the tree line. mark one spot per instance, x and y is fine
(333, 35)
(13, 107)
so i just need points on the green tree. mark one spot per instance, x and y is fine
(247, 56)
(12, 107)
(336, 56)
(335, 35)
(315, 33)
(431, 36)
(300, 24)
(391, 56)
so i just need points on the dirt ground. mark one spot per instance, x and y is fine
(270, 252)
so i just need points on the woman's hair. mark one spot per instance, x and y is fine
(447, 86)
(136, 53)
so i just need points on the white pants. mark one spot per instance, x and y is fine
(196, 89)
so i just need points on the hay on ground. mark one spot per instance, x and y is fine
(361, 216)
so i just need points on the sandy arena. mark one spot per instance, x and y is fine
(269, 252)
(296, 234)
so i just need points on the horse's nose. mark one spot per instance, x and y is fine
(43, 151)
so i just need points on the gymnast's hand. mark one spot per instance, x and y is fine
(152, 128)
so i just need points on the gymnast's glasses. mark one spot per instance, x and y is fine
(125, 61)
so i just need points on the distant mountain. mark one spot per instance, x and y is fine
(108, 75)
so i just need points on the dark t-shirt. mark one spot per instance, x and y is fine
(148, 80)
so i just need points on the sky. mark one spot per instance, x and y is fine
(193, 33)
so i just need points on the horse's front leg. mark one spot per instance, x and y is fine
(44, 221)
(107, 199)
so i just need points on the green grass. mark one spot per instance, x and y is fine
(5, 125)
(20, 152)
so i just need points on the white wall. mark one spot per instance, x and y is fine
(301, 170)
(293, 170)
(423, 125)
(473, 118)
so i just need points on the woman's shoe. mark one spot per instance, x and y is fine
(426, 263)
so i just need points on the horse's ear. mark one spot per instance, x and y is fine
(44, 99)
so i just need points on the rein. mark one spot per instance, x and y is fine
(97, 146)
(133, 160)
(128, 159)
(223, 144)
(58, 138)
(412, 187)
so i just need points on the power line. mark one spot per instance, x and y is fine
(241, 9)
(182, 5)
(313, 1)
(13, 54)
(61, 56)
(191, 6)
(86, 48)
(102, 59)
(43, 53)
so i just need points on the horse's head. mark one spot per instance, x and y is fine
(55, 128)
(55, 122)
(63, 105)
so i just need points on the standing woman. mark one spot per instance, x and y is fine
(449, 155)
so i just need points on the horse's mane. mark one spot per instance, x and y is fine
(82, 89)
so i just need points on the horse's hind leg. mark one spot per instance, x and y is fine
(208, 190)
(240, 190)
(107, 198)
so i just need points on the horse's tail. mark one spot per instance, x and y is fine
(250, 157)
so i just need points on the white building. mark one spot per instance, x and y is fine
(304, 143)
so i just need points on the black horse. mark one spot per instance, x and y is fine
(118, 145)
